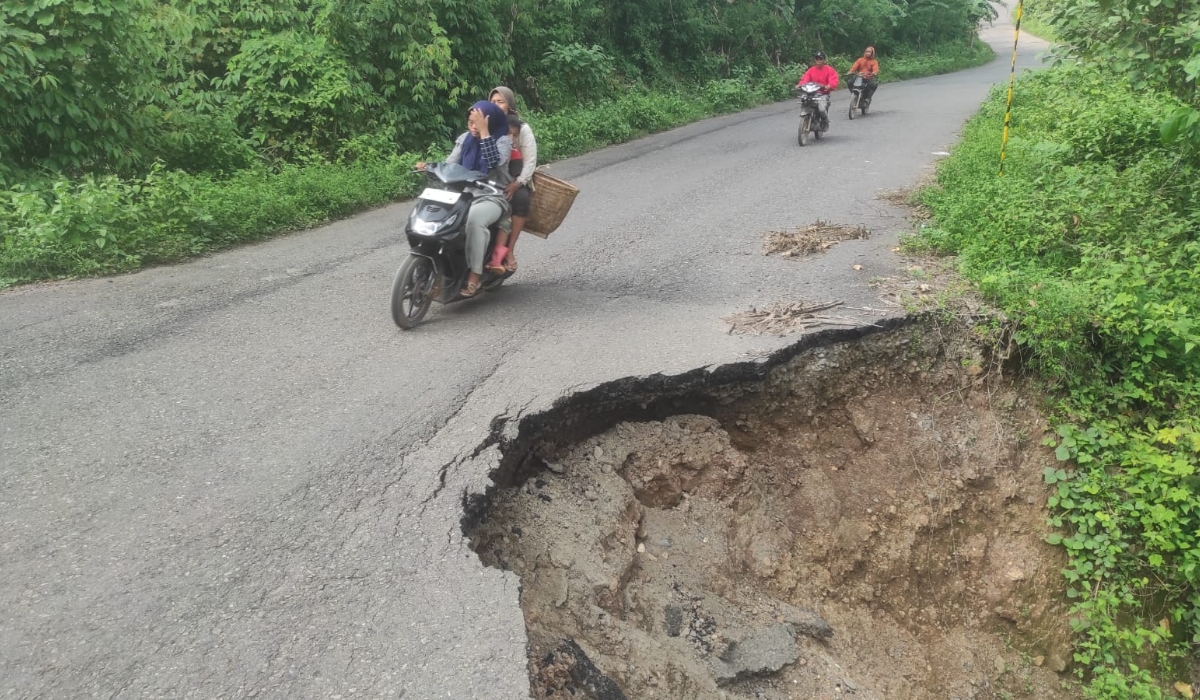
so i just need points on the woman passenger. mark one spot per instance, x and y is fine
(520, 191)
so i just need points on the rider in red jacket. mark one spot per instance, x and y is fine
(823, 74)
(820, 72)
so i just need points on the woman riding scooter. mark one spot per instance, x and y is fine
(485, 147)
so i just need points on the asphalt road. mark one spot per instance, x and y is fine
(236, 478)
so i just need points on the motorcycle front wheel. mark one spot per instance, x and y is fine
(802, 136)
(411, 291)
(853, 104)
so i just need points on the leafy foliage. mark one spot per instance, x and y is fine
(147, 130)
(1090, 239)
(73, 75)
(580, 71)
(110, 86)
(105, 224)
(1154, 43)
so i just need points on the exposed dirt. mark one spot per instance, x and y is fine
(814, 238)
(865, 522)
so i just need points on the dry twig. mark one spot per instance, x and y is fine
(784, 317)
(815, 238)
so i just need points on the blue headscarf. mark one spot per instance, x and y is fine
(472, 154)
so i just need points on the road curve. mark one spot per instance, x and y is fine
(236, 478)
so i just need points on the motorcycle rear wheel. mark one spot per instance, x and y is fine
(802, 136)
(410, 291)
(853, 104)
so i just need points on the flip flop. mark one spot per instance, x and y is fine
(511, 267)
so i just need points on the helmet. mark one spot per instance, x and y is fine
(819, 55)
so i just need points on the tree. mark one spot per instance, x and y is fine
(1156, 43)
(74, 77)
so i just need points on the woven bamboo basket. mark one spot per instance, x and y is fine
(552, 199)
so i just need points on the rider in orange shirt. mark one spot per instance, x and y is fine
(868, 68)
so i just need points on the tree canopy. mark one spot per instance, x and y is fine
(204, 85)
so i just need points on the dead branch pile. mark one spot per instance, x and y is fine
(785, 317)
(814, 238)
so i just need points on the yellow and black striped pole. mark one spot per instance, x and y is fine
(1012, 80)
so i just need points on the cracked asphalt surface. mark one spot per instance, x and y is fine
(236, 478)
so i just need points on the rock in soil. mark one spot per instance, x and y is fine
(761, 653)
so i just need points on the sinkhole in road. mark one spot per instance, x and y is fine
(862, 516)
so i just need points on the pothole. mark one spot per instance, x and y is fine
(814, 238)
(865, 519)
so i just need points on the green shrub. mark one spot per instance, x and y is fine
(1090, 241)
(207, 142)
(576, 74)
(99, 225)
(942, 58)
(104, 225)
(1035, 19)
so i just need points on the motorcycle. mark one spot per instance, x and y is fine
(858, 87)
(436, 267)
(811, 117)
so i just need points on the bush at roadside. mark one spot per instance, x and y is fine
(104, 225)
(1091, 241)
(100, 225)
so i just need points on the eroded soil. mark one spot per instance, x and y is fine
(867, 522)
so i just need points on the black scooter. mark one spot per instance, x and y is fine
(436, 267)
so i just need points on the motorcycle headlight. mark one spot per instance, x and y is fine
(429, 228)
(425, 228)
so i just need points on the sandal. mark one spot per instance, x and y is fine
(470, 290)
(510, 265)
